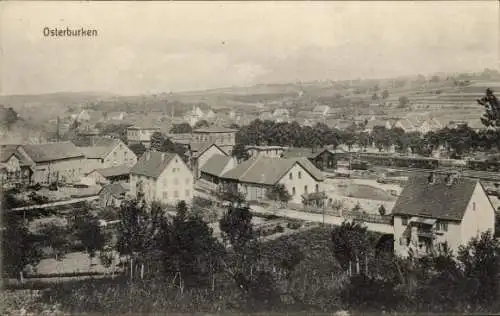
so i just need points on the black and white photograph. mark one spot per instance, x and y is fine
(250, 157)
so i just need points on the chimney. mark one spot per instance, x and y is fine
(162, 156)
(148, 155)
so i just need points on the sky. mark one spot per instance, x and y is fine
(154, 47)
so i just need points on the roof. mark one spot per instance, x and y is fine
(114, 171)
(214, 130)
(116, 189)
(371, 124)
(268, 171)
(101, 148)
(215, 165)
(152, 164)
(438, 200)
(200, 148)
(7, 151)
(52, 151)
(321, 108)
(143, 127)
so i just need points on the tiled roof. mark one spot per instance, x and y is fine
(52, 151)
(371, 124)
(215, 165)
(6, 151)
(438, 200)
(116, 189)
(152, 164)
(100, 149)
(200, 148)
(269, 171)
(114, 171)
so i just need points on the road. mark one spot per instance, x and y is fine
(318, 218)
(52, 204)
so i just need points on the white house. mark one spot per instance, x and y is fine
(254, 176)
(432, 211)
(107, 153)
(321, 110)
(162, 177)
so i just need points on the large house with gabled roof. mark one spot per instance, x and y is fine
(107, 153)
(55, 162)
(432, 211)
(162, 177)
(254, 176)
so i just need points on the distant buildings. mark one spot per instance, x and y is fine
(433, 211)
(162, 177)
(422, 123)
(266, 151)
(139, 134)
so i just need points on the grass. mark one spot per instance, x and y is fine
(363, 191)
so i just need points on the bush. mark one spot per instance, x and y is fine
(279, 228)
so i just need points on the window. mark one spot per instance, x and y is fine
(305, 189)
(300, 175)
(176, 194)
(404, 221)
(317, 187)
(442, 226)
(293, 191)
(187, 193)
(290, 176)
(473, 206)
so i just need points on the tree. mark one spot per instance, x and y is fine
(240, 152)
(88, 231)
(434, 79)
(290, 257)
(191, 249)
(18, 246)
(491, 116)
(139, 149)
(56, 237)
(385, 94)
(278, 192)
(236, 227)
(183, 128)
(375, 97)
(350, 244)
(403, 101)
(200, 124)
(157, 140)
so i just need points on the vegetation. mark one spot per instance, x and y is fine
(279, 193)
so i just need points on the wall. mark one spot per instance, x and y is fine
(68, 170)
(479, 216)
(299, 183)
(176, 183)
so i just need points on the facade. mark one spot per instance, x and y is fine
(107, 153)
(255, 176)
(225, 138)
(433, 211)
(15, 165)
(55, 162)
(162, 177)
(202, 154)
(113, 195)
(136, 134)
(266, 151)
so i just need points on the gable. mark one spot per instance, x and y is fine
(175, 162)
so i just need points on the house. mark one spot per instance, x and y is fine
(55, 162)
(225, 138)
(106, 153)
(254, 176)
(115, 116)
(201, 153)
(372, 123)
(110, 175)
(210, 114)
(113, 194)
(432, 210)
(195, 115)
(15, 165)
(162, 177)
(215, 166)
(323, 159)
(139, 134)
(280, 112)
(266, 151)
(266, 116)
(321, 110)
